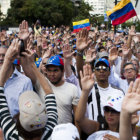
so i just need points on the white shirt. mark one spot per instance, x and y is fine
(104, 94)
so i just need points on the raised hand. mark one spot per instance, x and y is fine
(113, 54)
(13, 51)
(82, 40)
(67, 53)
(27, 58)
(24, 30)
(125, 51)
(132, 31)
(90, 55)
(48, 52)
(131, 101)
(87, 78)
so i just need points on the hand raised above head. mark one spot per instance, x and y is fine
(131, 101)
(13, 50)
(87, 78)
(67, 52)
(113, 54)
(24, 30)
(82, 40)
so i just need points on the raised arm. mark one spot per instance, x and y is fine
(8, 127)
(34, 72)
(130, 36)
(67, 60)
(81, 44)
(130, 105)
(87, 82)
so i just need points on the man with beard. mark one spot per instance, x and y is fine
(66, 93)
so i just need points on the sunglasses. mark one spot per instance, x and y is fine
(104, 68)
(108, 109)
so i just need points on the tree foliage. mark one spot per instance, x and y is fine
(50, 12)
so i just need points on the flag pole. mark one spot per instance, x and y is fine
(115, 27)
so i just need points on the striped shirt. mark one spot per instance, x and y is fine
(9, 126)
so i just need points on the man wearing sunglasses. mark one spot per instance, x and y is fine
(104, 89)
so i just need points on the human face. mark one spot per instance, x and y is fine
(112, 117)
(135, 64)
(102, 72)
(54, 74)
(129, 72)
(2, 55)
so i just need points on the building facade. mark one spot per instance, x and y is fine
(100, 6)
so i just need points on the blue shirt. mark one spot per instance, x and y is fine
(15, 85)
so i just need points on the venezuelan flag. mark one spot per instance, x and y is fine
(123, 11)
(77, 26)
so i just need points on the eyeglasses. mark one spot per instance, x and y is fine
(129, 70)
(104, 68)
(108, 109)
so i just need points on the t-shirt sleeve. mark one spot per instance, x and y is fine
(76, 97)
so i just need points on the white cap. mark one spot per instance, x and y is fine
(33, 114)
(114, 101)
(65, 132)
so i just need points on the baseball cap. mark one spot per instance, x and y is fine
(65, 132)
(103, 54)
(55, 60)
(103, 61)
(33, 114)
(114, 101)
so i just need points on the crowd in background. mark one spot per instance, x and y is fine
(93, 74)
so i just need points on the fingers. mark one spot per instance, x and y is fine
(81, 75)
(85, 70)
(130, 87)
(138, 87)
(135, 86)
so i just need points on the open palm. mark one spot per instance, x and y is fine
(87, 78)
(82, 40)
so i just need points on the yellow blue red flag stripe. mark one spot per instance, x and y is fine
(123, 11)
(77, 26)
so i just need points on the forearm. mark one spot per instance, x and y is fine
(124, 60)
(67, 67)
(81, 108)
(51, 108)
(125, 126)
(4, 72)
(79, 65)
(86, 125)
(42, 80)
(129, 41)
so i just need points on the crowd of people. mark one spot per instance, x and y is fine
(56, 84)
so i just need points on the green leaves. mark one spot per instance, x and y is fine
(50, 12)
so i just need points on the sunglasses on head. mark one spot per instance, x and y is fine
(104, 68)
(108, 109)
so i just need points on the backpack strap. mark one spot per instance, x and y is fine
(100, 118)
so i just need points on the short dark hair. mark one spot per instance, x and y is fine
(61, 67)
(128, 63)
